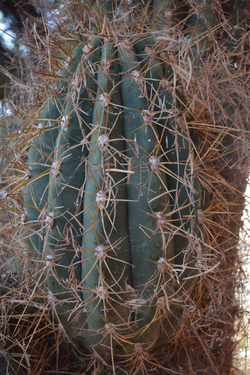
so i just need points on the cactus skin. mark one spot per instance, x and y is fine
(40, 158)
(113, 203)
(132, 227)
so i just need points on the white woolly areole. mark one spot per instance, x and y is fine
(106, 63)
(75, 81)
(160, 219)
(24, 217)
(104, 99)
(102, 293)
(101, 200)
(201, 216)
(162, 265)
(180, 121)
(110, 328)
(137, 76)
(40, 126)
(51, 297)
(154, 163)
(100, 252)
(49, 260)
(147, 116)
(103, 142)
(88, 48)
(56, 168)
(138, 347)
(166, 85)
(161, 302)
(65, 122)
(68, 61)
(126, 43)
(24, 252)
(49, 220)
(149, 51)
(168, 14)
(27, 173)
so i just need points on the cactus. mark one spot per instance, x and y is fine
(121, 190)
(103, 199)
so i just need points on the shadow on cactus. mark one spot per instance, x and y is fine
(133, 189)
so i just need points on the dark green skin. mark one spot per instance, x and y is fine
(134, 238)
(146, 239)
(184, 191)
(115, 268)
(66, 223)
(40, 158)
(65, 200)
(159, 8)
(200, 27)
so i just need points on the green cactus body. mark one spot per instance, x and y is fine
(105, 238)
(113, 202)
(147, 209)
(201, 22)
(184, 190)
(36, 193)
(40, 159)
